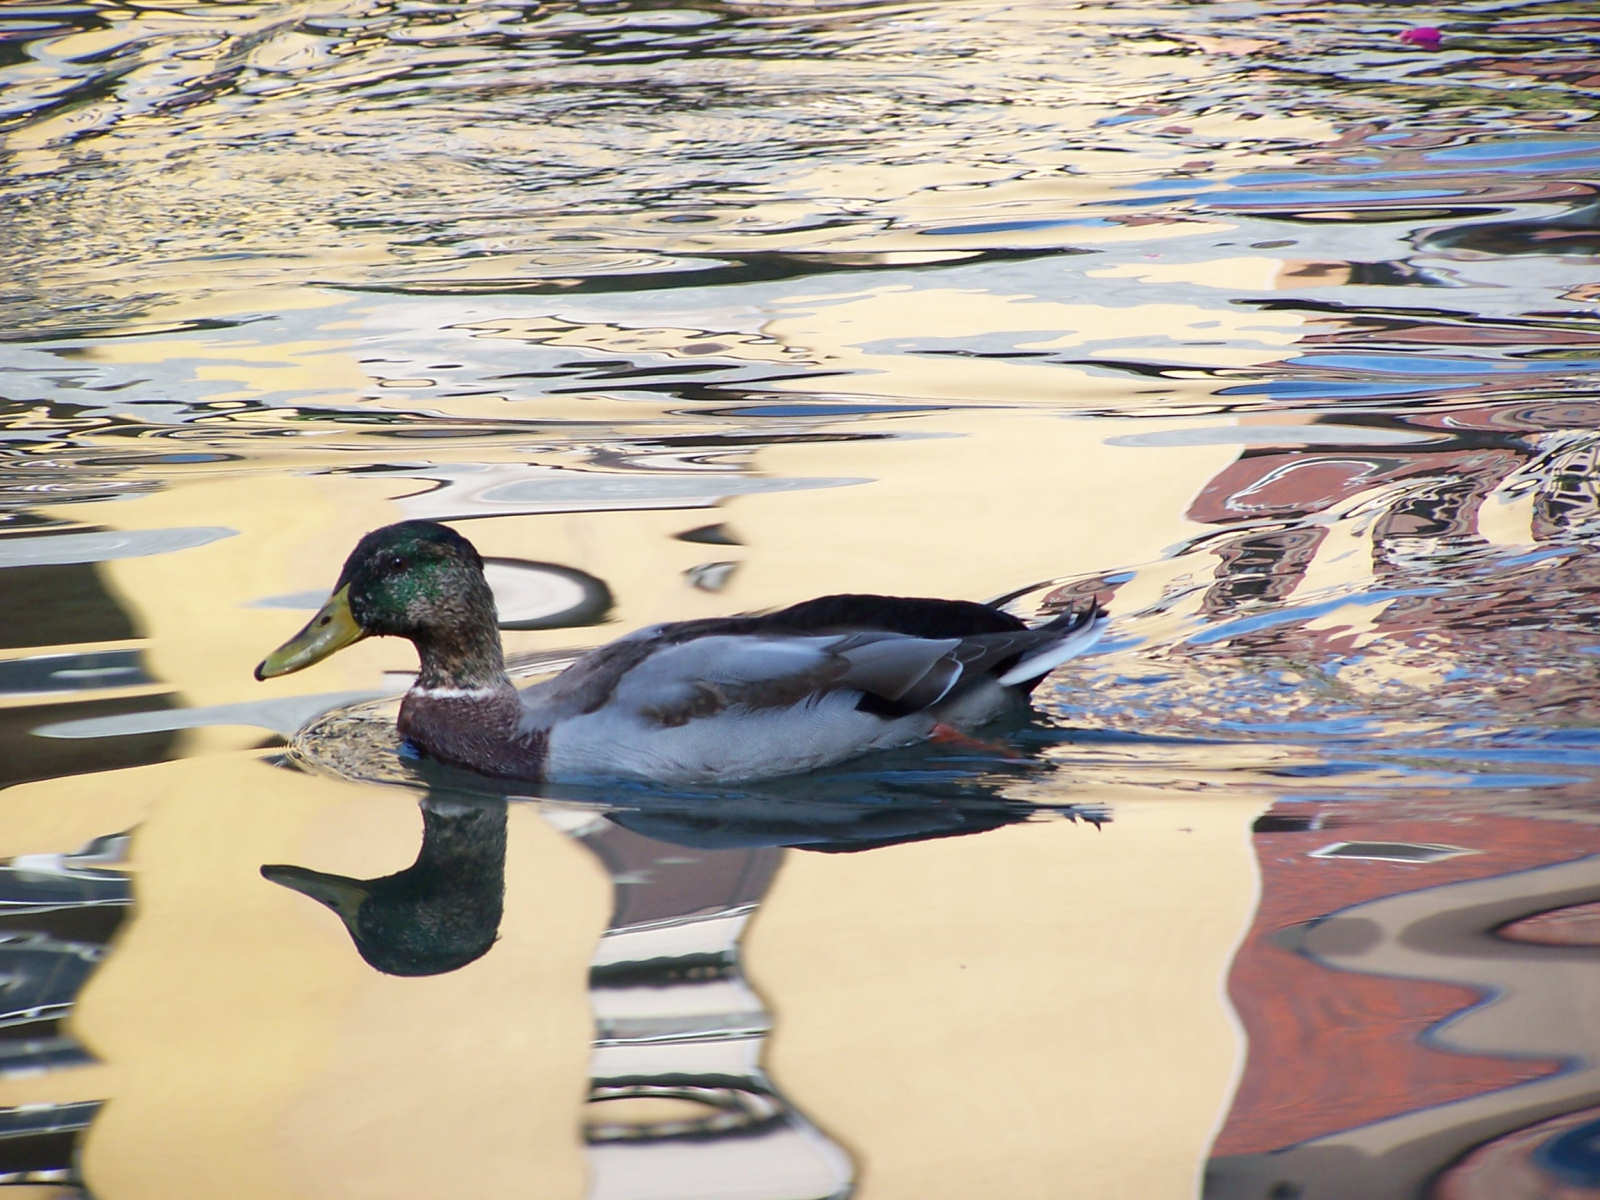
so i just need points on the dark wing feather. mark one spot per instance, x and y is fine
(910, 615)
(898, 674)
(903, 654)
(973, 659)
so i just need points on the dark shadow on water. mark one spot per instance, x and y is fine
(899, 797)
(719, 270)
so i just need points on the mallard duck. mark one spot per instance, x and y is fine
(722, 699)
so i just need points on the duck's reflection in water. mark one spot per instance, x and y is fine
(679, 1104)
(439, 913)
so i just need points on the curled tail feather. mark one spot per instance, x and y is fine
(1077, 632)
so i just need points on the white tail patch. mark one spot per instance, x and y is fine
(1056, 653)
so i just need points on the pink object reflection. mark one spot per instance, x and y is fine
(1426, 36)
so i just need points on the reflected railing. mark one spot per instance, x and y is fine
(58, 914)
(679, 1104)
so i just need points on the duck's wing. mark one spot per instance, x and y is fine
(706, 675)
(894, 674)
(892, 686)
(1037, 649)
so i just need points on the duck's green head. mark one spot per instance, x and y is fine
(418, 580)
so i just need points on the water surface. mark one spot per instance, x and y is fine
(1275, 331)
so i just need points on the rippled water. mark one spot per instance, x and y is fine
(1270, 327)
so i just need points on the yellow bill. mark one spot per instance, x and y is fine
(333, 628)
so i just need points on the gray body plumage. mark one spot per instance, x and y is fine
(755, 697)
